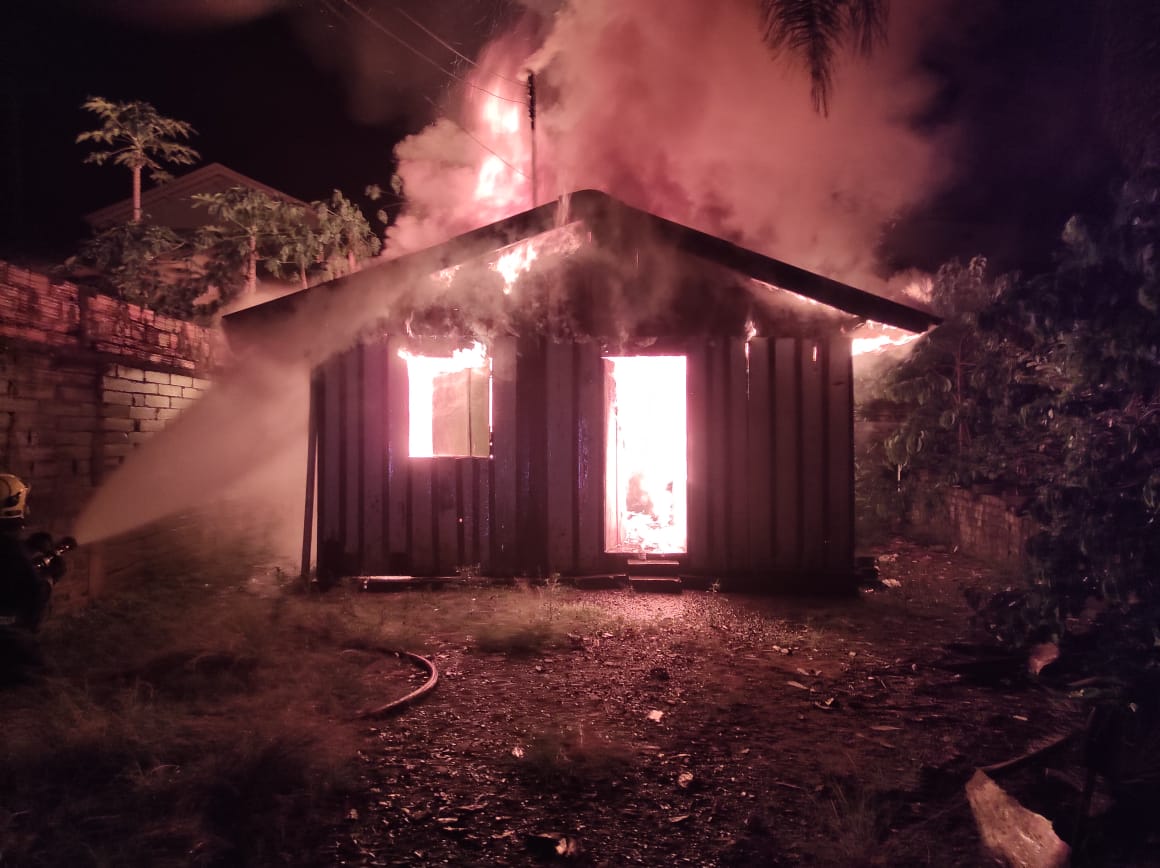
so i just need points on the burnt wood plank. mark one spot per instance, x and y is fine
(561, 462)
(590, 445)
(840, 464)
(813, 440)
(482, 538)
(374, 459)
(468, 493)
(446, 504)
(531, 552)
(718, 463)
(611, 494)
(786, 453)
(422, 514)
(698, 456)
(736, 454)
(396, 420)
(503, 449)
(759, 476)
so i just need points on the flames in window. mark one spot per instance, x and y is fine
(449, 402)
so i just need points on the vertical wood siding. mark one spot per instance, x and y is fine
(770, 489)
(380, 511)
(770, 460)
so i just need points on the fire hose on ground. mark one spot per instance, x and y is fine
(402, 702)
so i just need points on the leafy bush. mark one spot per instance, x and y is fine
(1050, 385)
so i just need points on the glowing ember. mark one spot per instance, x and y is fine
(422, 372)
(647, 465)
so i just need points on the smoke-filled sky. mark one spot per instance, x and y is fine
(974, 130)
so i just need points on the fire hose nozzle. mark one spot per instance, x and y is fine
(51, 563)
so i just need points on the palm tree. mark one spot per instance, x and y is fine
(138, 138)
(815, 29)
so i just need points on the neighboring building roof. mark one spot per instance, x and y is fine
(611, 222)
(169, 204)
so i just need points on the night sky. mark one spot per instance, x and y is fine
(272, 95)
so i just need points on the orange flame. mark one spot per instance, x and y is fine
(503, 183)
(421, 373)
(875, 337)
(647, 466)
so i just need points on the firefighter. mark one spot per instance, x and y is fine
(25, 588)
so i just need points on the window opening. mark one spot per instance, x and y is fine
(449, 403)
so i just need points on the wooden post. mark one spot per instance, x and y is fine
(311, 461)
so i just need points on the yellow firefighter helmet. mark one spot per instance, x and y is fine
(13, 497)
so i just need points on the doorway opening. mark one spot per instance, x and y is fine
(646, 461)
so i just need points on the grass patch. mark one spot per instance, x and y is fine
(188, 722)
(192, 721)
(856, 816)
(567, 759)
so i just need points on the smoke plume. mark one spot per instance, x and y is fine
(679, 108)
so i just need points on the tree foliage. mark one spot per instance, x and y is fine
(138, 138)
(345, 236)
(141, 263)
(251, 229)
(1050, 385)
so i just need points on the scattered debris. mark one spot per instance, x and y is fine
(550, 844)
(1010, 831)
(1042, 655)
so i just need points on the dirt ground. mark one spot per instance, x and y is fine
(707, 729)
(211, 720)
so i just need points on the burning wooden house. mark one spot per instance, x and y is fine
(577, 390)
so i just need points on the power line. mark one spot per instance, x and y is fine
(453, 49)
(468, 133)
(385, 30)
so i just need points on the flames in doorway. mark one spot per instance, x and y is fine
(646, 466)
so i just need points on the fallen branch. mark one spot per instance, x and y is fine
(1047, 747)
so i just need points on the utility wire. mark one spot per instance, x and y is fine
(453, 49)
(385, 30)
(467, 132)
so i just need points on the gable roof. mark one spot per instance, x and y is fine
(169, 204)
(609, 220)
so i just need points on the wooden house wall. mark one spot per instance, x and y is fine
(381, 512)
(771, 485)
(770, 492)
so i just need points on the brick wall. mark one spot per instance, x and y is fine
(991, 527)
(85, 380)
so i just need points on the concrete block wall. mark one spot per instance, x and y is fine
(85, 380)
(988, 526)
